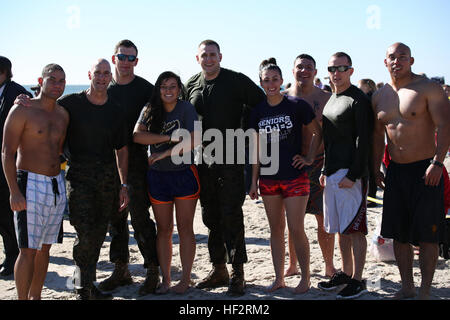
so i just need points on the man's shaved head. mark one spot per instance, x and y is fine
(100, 75)
(99, 62)
(398, 45)
(399, 61)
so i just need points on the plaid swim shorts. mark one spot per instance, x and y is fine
(41, 222)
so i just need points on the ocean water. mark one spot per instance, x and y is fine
(78, 87)
(68, 90)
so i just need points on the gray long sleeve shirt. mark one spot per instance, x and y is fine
(347, 131)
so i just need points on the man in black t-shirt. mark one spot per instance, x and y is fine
(132, 92)
(96, 141)
(221, 97)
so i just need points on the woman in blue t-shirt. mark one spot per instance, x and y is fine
(279, 121)
(172, 176)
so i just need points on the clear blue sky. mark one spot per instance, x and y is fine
(75, 33)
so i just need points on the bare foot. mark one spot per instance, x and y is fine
(423, 294)
(278, 284)
(180, 287)
(163, 288)
(303, 286)
(404, 294)
(291, 271)
(329, 272)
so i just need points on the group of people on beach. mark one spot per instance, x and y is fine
(123, 138)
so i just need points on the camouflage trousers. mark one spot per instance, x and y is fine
(221, 197)
(93, 194)
(138, 208)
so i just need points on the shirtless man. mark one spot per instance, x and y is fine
(411, 110)
(97, 175)
(37, 134)
(304, 72)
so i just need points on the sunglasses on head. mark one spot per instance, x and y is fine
(123, 57)
(339, 68)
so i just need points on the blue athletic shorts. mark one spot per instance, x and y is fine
(166, 186)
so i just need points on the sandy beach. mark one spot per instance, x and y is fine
(383, 278)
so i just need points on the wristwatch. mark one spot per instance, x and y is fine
(124, 185)
(437, 163)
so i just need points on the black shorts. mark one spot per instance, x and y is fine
(315, 200)
(412, 211)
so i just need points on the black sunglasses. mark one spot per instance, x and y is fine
(339, 68)
(123, 57)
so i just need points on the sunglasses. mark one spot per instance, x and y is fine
(339, 68)
(123, 57)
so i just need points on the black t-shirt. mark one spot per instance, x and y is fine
(132, 97)
(10, 92)
(94, 131)
(222, 101)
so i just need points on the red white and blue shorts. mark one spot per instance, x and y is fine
(298, 187)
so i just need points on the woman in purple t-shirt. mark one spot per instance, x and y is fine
(288, 188)
(170, 185)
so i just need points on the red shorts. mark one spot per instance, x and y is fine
(298, 187)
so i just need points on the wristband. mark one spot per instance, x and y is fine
(437, 163)
(124, 185)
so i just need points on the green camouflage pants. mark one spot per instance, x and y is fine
(93, 194)
(221, 197)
